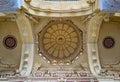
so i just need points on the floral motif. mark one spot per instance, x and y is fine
(61, 40)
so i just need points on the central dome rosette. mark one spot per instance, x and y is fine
(60, 40)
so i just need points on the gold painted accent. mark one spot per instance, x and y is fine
(63, 37)
(54, 62)
(60, 41)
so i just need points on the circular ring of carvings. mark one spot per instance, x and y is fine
(10, 42)
(108, 42)
(60, 40)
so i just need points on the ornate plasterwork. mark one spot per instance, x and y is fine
(110, 58)
(60, 41)
(93, 32)
(70, 74)
(58, 8)
(10, 47)
(92, 44)
(27, 52)
(7, 67)
(40, 61)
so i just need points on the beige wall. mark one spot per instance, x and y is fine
(10, 56)
(112, 55)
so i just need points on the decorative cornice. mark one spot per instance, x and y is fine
(58, 8)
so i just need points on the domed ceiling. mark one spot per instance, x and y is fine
(60, 41)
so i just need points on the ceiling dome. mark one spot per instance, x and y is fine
(60, 40)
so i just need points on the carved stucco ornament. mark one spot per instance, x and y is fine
(93, 33)
(60, 41)
(54, 8)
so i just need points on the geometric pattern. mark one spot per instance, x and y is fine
(60, 40)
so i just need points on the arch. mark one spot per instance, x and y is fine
(27, 46)
(93, 34)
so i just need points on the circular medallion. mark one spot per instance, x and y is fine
(108, 42)
(60, 40)
(10, 42)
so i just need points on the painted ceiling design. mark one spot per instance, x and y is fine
(60, 40)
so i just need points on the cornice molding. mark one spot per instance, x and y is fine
(58, 8)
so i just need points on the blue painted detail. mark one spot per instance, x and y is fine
(10, 5)
(110, 5)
